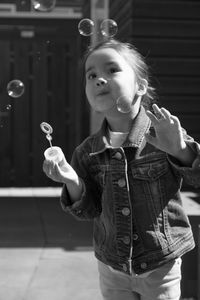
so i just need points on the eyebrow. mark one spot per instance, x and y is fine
(106, 64)
(89, 69)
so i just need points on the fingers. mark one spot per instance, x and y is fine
(45, 166)
(175, 121)
(159, 114)
(156, 115)
(157, 111)
(150, 139)
(49, 168)
(152, 117)
(165, 113)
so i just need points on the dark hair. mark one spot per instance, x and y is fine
(137, 62)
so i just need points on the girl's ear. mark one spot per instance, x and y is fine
(142, 87)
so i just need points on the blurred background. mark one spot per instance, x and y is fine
(42, 47)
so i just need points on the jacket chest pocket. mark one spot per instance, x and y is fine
(150, 172)
(150, 182)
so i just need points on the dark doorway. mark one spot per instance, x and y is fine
(45, 56)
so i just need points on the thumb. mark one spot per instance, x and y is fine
(64, 159)
(58, 172)
(150, 139)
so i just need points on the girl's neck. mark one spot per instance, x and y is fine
(119, 125)
(121, 122)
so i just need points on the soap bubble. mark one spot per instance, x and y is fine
(108, 28)
(86, 27)
(124, 104)
(15, 88)
(43, 5)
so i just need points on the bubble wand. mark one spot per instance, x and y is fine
(48, 130)
(52, 153)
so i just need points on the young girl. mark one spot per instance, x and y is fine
(127, 177)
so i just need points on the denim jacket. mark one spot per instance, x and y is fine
(133, 195)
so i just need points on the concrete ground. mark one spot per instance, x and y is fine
(46, 254)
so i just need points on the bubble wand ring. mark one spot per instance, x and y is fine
(48, 130)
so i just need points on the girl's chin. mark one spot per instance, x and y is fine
(104, 109)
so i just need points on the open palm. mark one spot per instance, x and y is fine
(168, 132)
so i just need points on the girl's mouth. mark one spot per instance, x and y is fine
(103, 93)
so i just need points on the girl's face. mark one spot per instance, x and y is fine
(108, 77)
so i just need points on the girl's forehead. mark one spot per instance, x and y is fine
(104, 54)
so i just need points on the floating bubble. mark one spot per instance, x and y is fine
(124, 104)
(108, 28)
(15, 88)
(86, 27)
(43, 5)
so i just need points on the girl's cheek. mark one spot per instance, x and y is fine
(86, 89)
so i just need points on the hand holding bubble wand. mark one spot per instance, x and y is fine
(54, 154)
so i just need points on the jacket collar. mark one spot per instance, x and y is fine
(139, 126)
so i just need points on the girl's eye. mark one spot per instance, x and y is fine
(91, 76)
(113, 70)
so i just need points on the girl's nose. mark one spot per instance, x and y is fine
(101, 81)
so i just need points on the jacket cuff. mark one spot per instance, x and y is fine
(70, 206)
(190, 174)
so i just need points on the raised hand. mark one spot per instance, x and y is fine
(168, 134)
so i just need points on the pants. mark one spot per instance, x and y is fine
(160, 284)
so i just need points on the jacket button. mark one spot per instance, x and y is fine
(126, 211)
(135, 237)
(126, 240)
(151, 173)
(118, 155)
(121, 182)
(143, 265)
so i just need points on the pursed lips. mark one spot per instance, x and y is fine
(102, 93)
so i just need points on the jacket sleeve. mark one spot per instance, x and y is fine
(191, 175)
(89, 205)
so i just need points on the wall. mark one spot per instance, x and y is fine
(167, 33)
